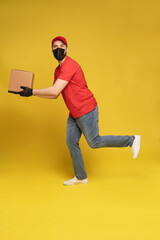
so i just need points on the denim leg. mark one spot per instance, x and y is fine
(88, 124)
(72, 140)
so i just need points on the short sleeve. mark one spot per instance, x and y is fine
(66, 72)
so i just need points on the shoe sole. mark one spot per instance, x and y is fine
(65, 184)
(138, 141)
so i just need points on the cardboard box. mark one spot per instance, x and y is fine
(20, 78)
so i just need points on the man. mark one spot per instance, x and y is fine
(69, 80)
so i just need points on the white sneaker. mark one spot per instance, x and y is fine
(75, 181)
(136, 146)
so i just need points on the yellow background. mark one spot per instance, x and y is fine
(117, 45)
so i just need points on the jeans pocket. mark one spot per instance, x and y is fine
(95, 114)
(70, 121)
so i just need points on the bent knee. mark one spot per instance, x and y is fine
(93, 144)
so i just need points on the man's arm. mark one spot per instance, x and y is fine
(49, 97)
(51, 92)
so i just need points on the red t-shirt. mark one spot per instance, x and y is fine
(78, 98)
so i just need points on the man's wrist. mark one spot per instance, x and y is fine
(33, 92)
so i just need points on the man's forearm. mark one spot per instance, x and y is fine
(45, 92)
(49, 97)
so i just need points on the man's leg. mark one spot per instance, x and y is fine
(88, 124)
(72, 140)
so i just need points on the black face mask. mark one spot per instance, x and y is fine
(59, 53)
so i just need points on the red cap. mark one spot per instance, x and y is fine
(59, 38)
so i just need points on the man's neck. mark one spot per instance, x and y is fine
(60, 62)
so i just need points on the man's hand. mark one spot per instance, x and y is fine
(27, 92)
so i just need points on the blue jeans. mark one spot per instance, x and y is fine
(88, 125)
